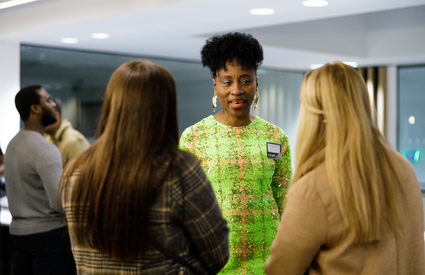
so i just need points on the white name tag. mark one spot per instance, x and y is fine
(274, 150)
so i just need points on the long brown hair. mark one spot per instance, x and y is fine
(138, 132)
(336, 127)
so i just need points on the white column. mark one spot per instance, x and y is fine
(392, 105)
(10, 85)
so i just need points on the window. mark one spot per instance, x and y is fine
(79, 79)
(411, 117)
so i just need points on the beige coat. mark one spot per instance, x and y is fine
(312, 236)
(69, 141)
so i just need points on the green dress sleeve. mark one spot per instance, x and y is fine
(283, 174)
(185, 140)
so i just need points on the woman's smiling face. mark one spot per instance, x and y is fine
(235, 87)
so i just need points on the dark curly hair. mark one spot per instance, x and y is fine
(243, 47)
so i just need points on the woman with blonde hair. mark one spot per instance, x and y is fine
(135, 203)
(355, 206)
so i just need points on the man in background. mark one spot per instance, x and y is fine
(61, 133)
(33, 167)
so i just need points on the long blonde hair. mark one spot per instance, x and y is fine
(336, 127)
(118, 175)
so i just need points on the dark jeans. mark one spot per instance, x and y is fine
(44, 253)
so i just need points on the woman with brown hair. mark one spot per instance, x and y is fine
(354, 206)
(134, 203)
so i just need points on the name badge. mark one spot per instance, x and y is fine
(274, 150)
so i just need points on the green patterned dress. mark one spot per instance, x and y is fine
(250, 187)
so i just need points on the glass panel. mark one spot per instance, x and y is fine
(411, 117)
(79, 79)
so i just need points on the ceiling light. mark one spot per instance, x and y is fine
(349, 63)
(315, 66)
(69, 40)
(12, 3)
(315, 3)
(261, 11)
(100, 35)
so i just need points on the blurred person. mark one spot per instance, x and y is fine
(33, 168)
(246, 158)
(61, 133)
(354, 206)
(1, 162)
(134, 202)
(2, 185)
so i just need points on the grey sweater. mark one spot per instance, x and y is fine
(33, 167)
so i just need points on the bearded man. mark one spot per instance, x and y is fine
(33, 167)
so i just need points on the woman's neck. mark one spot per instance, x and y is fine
(234, 121)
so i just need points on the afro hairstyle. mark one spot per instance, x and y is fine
(219, 49)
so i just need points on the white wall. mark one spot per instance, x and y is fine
(10, 83)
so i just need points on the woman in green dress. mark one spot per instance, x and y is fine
(246, 158)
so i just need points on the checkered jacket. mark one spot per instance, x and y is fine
(185, 219)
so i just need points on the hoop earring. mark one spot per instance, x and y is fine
(214, 102)
(256, 97)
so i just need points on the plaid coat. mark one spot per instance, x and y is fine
(185, 219)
